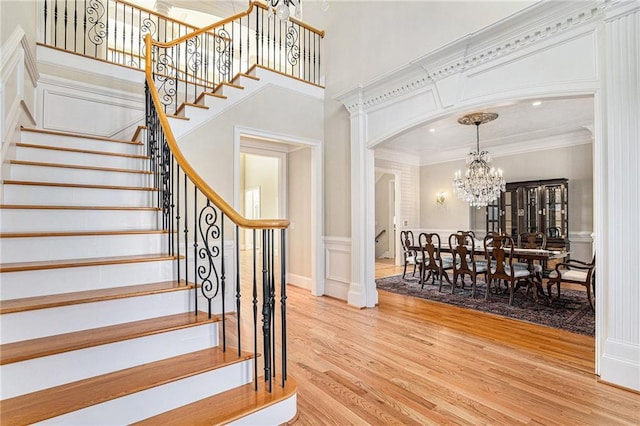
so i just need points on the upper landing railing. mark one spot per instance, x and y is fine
(114, 31)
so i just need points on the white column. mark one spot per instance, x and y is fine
(618, 302)
(362, 289)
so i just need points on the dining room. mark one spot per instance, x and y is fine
(553, 143)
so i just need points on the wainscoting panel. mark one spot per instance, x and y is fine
(337, 266)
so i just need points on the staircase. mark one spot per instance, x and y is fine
(95, 328)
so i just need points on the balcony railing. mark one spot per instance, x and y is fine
(114, 31)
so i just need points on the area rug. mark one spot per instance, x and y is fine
(571, 312)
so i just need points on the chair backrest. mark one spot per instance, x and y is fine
(532, 240)
(430, 246)
(473, 234)
(499, 252)
(463, 249)
(406, 239)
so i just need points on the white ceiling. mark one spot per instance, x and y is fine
(520, 127)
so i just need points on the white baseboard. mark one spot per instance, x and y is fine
(299, 281)
(620, 364)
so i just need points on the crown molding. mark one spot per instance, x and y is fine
(535, 24)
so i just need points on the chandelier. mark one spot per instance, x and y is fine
(481, 183)
(282, 8)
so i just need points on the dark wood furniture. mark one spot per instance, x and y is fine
(574, 272)
(463, 249)
(433, 264)
(409, 254)
(533, 206)
(500, 253)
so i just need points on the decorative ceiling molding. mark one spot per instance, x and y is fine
(533, 25)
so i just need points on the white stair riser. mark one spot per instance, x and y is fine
(26, 325)
(151, 402)
(53, 196)
(62, 141)
(19, 378)
(33, 173)
(279, 413)
(37, 220)
(16, 285)
(31, 249)
(38, 155)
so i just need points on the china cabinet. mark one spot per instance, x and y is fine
(533, 206)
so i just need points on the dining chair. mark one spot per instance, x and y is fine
(410, 255)
(532, 240)
(575, 272)
(500, 258)
(462, 245)
(432, 263)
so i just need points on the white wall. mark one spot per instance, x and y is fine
(210, 147)
(382, 214)
(299, 200)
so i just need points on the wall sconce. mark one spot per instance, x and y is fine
(441, 197)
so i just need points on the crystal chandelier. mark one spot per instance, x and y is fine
(481, 183)
(282, 8)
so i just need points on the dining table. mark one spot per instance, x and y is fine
(527, 254)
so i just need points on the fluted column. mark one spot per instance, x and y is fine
(618, 303)
(362, 290)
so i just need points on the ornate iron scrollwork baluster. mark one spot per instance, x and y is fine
(209, 231)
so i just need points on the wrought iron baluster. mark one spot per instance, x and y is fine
(75, 26)
(266, 312)
(223, 282)
(283, 306)
(185, 232)
(195, 249)
(272, 298)
(255, 313)
(66, 16)
(238, 295)
(46, 10)
(55, 23)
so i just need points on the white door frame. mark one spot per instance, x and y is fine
(269, 141)
(397, 249)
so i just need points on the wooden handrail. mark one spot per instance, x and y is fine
(153, 12)
(380, 234)
(208, 192)
(226, 21)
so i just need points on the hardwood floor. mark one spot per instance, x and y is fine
(411, 361)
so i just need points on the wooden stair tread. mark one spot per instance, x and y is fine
(185, 104)
(75, 185)
(88, 296)
(80, 233)
(75, 263)
(46, 207)
(59, 400)
(226, 406)
(81, 151)
(78, 135)
(79, 167)
(215, 95)
(51, 345)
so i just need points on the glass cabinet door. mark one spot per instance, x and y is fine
(530, 208)
(556, 211)
(493, 216)
(510, 212)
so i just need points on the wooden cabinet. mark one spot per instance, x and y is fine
(533, 206)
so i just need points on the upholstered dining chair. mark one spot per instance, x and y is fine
(500, 258)
(463, 249)
(411, 257)
(433, 264)
(575, 272)
(532, 240)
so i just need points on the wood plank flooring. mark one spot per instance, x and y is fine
(411, 361)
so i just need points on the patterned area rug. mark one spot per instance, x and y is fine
(571, 312)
